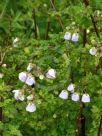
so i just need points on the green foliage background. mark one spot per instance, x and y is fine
(54, 117)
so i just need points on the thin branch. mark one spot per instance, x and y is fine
(95, 27)
(53, 1)
(84, 37)
(80, 131)
(59, 19)
(100, 125)
(2, 58)
(86, 2)
(35, 24)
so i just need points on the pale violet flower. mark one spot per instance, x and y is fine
(75, 97)
(27, 78)
(75, 37)
(18, 95)
(29, 67)
(67, 36)
(31, 107)
(30, 97)
(93, 51)
(63, 94)
(51, 74)
(30, 80)
(85, 98)
(71, 88)
(23, 76)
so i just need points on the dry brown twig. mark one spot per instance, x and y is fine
(59, 19)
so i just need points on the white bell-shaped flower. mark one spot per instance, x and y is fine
(29, 67)
(30, 97)
(85, 98)
(4, 65)
(71, 88)
(16, 40)
(75, 97)
(15, 45)
(1, 75)
(31, 107)
(30, 80)
(51, 74)
(75, 37)
(18, 95)
(93, 51)
(23, 76)
(67, 36)
(63, 94)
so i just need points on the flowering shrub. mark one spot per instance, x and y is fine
(48, 86)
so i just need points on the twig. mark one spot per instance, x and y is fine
(86, 2)
(100, 125)
(35, 25)
(80, 131)
(53, 1)
(2, 58)
(84, 37)
(94, 24)
(59, 19)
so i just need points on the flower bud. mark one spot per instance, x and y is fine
(30, 97)
(29, 67)
(1, 75)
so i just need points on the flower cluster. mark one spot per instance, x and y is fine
(74, 96)
(74, 37)
(29, 80)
